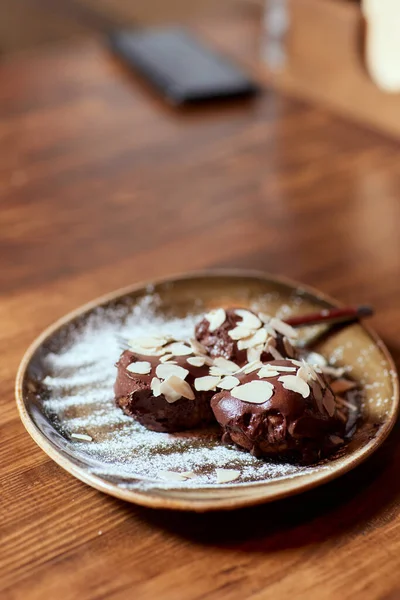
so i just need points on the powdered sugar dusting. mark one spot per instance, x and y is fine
(78, 398)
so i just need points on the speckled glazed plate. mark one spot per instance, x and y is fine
(64, 393)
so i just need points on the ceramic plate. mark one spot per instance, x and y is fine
(64, 393)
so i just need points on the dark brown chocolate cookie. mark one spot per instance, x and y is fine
(285, 409)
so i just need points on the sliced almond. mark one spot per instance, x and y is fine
(179, 349)
(259, 337)
(296, 362)
(226, 365)
(318, 395)
(217, 372)
(335, 439)
(295, 384)
(341, 386)
(155, 386)
(141, 367)
(166, 358)
(166, 370)
(197, 347)
(288, 347)
(226, 475)
(333, 371)
(207, 383)
(283, 328)
(282, 368)
(171, 476)
(216, 318)
(240, 333)
(249, 319)
(82, 436)
(254, 392)
(196, 361)
(228, 383)
(252, 366)
(181, 387)
(274, 352)
(303, 373)
(152, 342)
(264, 317)
(170, 393)
(270, 330)
(146, 351)
(187, 474)
(329, 402)
(266, 372)
(254, 354)
(343, 402)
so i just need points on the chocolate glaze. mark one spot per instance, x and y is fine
(133, 394)
(219, 343)
(286, 425)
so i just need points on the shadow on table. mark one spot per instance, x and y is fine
(357, 503)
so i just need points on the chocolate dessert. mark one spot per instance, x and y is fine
(160, 394)
(242, 372)
(243, 336)
(285, 409)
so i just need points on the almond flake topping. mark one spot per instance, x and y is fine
(249, 320)
(340, 386)
(266, 372)
(207, 383)
(226, 475)
(254, 354)
(282, 368)
(166, 370)
(179, 349)
(283, 328)
(217, 372)
(254, 392)
(288, 347)
(197, 347)
(303, 373)
(82, 436)
(240, 333)
(252, 366)
(174, 388)
(216, 318)
(166, 358)
(264, 317)
(335, 439)
(274, 352)
(140, 367)
(152, 342)
(329, 402)
(228, 383)
(196, 361)
(259, 337)
(295, 384)
(172, 476)
(226, 365)
(146, 351)
(155, 386)
(343, 402)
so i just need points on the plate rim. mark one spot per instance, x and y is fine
(147, 498)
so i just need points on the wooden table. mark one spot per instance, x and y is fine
(102, 186)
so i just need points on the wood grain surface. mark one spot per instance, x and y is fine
(101, 186)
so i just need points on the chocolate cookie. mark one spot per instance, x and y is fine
(284, 409)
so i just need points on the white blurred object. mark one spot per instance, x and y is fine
(383, 42)
(275, 27)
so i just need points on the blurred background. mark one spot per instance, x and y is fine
(28, 23)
